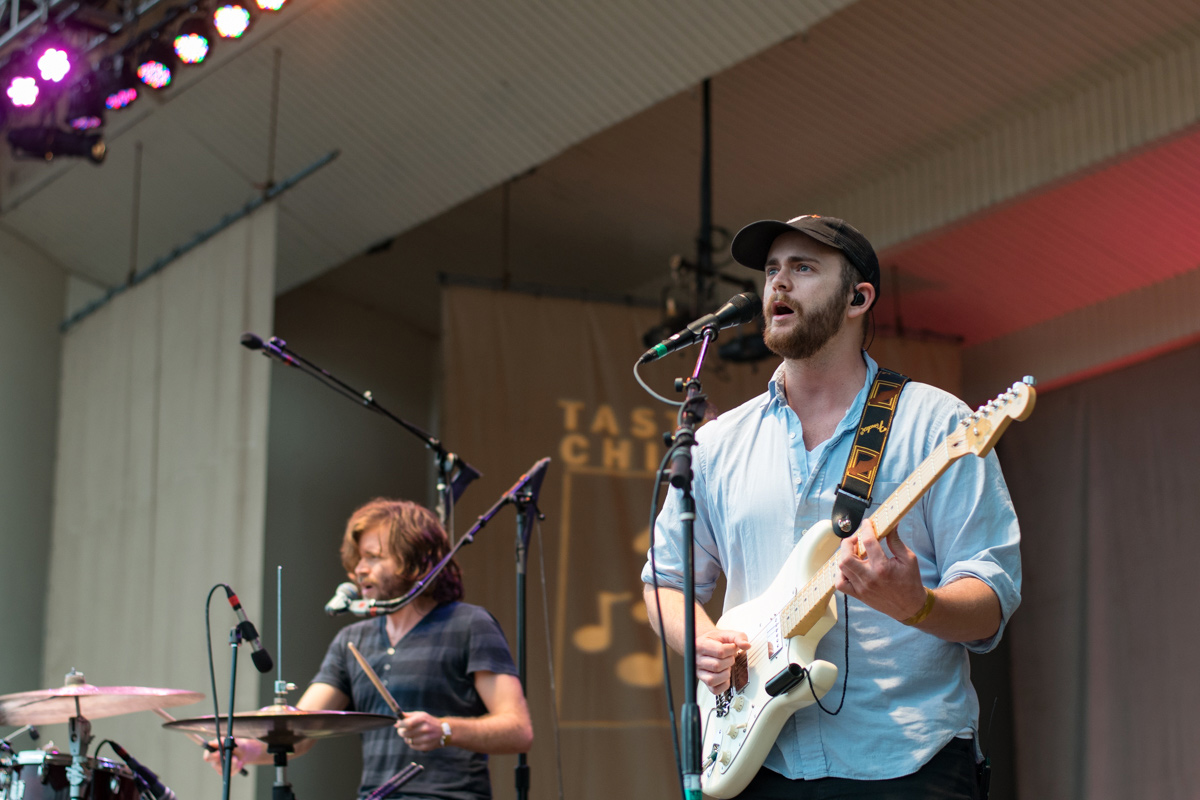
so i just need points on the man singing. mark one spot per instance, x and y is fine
(945, 584)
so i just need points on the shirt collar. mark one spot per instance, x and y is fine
(777, 398)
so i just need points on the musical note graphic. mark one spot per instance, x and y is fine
(597, 637)
(643, 670)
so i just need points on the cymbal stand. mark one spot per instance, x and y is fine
(282, 687)
(281, 789)
(80, 730)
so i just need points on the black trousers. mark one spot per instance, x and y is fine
(949, 775)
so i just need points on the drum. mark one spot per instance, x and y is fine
(38, 775)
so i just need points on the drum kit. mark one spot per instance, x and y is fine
(47, 774)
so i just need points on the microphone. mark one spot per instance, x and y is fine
(268, 348)
(157, 789)
(531, 481)
(342, 597)
(260, 656)
(740, 308)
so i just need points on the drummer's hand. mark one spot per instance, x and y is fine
(245, 751)
(420, 731)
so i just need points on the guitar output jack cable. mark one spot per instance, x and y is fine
(845, 672)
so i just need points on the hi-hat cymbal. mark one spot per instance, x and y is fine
(286, 725)
(79, 699)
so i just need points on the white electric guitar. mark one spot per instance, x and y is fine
(778, 675)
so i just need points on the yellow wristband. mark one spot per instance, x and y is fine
(919, 617)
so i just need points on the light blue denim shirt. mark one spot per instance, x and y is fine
(758, 490)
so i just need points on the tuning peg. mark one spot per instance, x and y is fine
(1029, 380)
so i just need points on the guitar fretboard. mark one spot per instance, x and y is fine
(800, 613)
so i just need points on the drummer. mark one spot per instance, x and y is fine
(446, 663)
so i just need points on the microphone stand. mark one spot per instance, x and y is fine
(527, 510)
(235, 639)
(373, 608)
(454, 474)
(690, 417)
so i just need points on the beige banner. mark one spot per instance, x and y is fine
(527, 377)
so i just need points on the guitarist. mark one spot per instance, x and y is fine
(946, 582)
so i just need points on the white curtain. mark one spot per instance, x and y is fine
(160, 489)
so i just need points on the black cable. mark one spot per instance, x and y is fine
(662, 635)
(845, 672)
(103, 742)
(212, 673)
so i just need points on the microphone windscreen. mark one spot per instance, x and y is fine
(251, 342)
(262, 660)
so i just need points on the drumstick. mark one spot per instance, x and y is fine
(379, 687)
(195, 737)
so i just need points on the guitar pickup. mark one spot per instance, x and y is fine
(740, 674)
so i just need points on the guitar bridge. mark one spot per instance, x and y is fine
(723, 700)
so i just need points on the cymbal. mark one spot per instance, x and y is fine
(50, 706)
(286, 725)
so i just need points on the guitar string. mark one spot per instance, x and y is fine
(758, 646)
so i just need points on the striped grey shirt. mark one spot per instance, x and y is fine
(431, 669)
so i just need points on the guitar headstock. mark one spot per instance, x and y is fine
(979, 432)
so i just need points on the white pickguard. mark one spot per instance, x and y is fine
(735, 745)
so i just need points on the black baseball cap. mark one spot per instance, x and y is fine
(753, 243)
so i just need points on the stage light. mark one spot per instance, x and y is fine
(232, 19)
(155, 67)
(118, 85)
(270, 5)
(45, 142)
(193, 41)
(54, 64)
(22, 91)
(85, 112)
(121, 98)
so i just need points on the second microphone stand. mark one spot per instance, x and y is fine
(527, 513)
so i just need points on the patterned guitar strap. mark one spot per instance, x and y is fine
(853, 495)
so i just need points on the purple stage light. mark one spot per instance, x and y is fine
(54, 64)
(22, 91)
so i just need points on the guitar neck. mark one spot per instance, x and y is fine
(806, 606)
(901, 501)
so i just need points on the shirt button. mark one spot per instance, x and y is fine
(387, 667)
(792, 435)
(391, 651)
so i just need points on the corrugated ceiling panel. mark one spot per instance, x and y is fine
(429, 102)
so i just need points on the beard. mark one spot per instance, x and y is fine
(812, 331)
(390, 587)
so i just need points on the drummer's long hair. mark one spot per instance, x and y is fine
(414, 538)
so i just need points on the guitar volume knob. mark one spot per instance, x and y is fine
(725, 758)
(739, 703)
